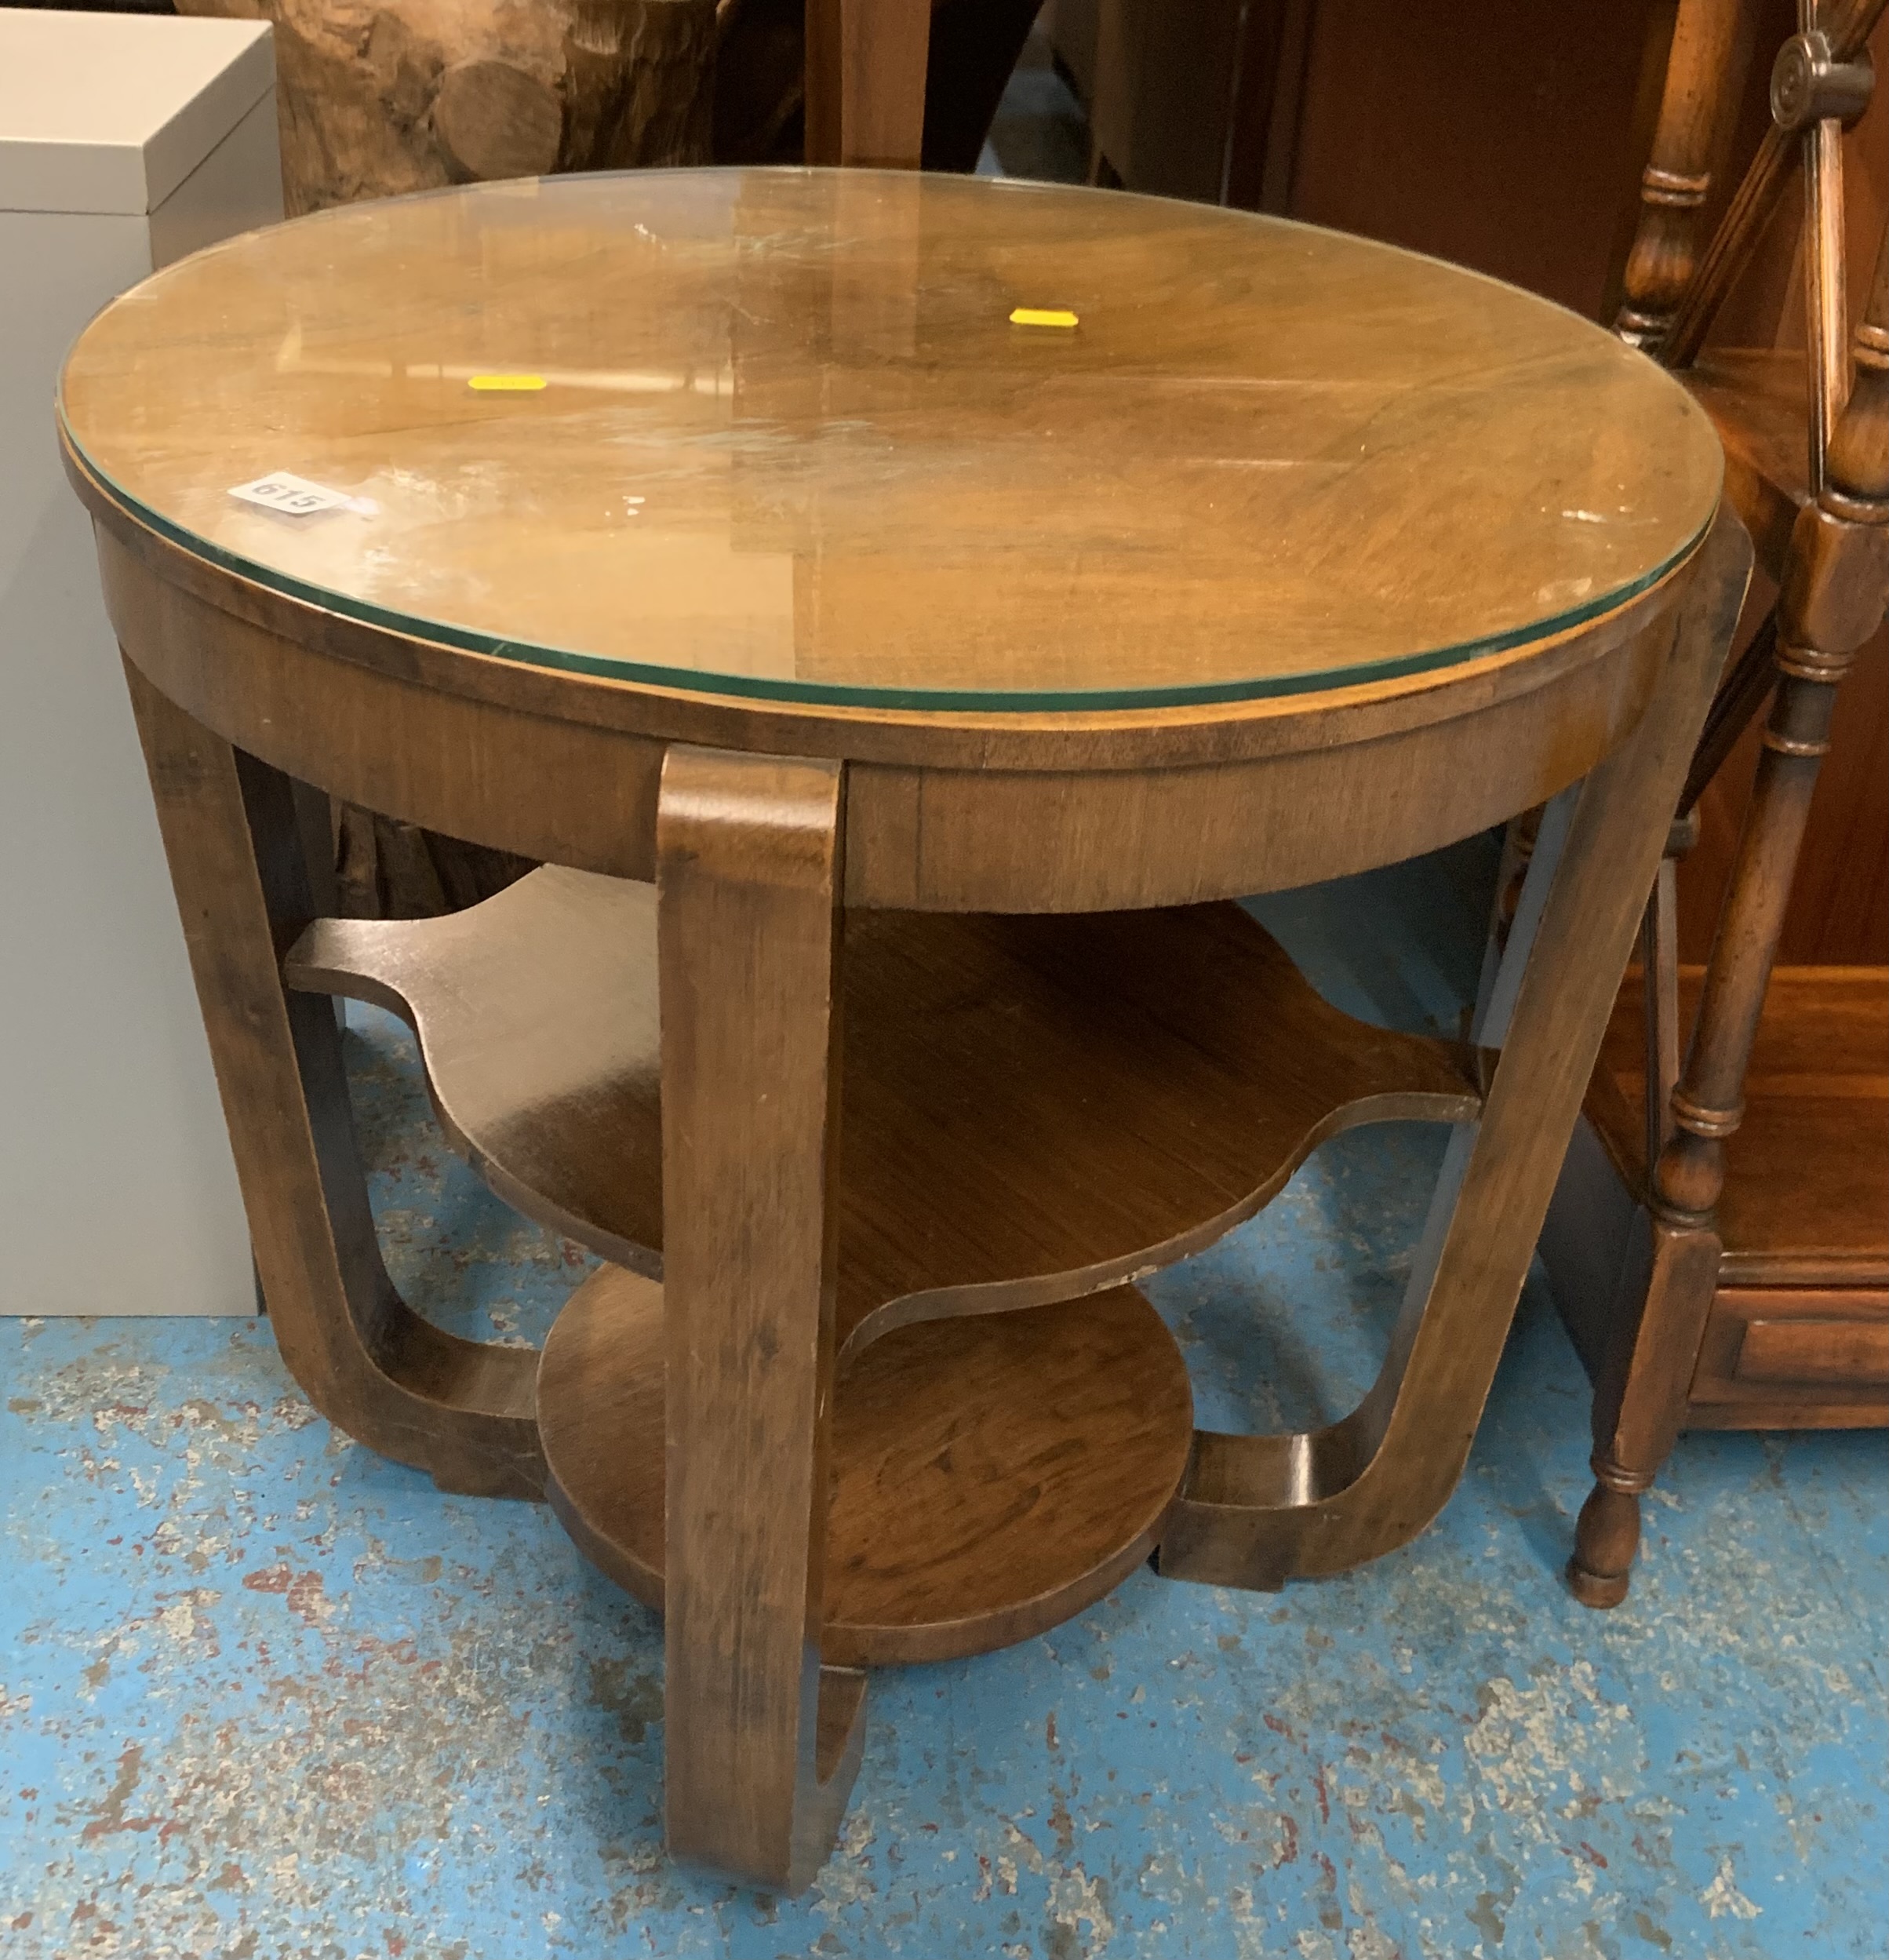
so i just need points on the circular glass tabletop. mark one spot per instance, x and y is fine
(898, 441)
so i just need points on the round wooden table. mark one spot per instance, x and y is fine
(900, 613)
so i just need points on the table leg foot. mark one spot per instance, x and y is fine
(1605, 1540)
(1639, 1402)
(839, 1742)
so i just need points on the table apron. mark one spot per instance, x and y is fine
(995, 840)
(924, 838)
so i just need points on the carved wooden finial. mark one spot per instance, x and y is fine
(1679, 175)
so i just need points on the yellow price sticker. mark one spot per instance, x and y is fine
(1042, 316)
(507, 384)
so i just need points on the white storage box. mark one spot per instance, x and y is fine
(126, 142)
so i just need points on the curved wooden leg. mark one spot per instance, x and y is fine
(762, 1741)
(1257, 1510)
(462, 1410)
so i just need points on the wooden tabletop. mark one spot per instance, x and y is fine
(777, 433)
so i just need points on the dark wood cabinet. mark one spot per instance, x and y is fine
(1502, 134)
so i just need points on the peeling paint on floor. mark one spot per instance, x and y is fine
(264, 1696)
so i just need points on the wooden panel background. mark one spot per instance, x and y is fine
(1504, 134)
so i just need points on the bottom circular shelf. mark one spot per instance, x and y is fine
(992, 1475)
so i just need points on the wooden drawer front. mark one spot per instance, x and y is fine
(1807, 1350)
(1787, 1356)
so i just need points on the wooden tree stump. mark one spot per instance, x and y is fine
(381, 97)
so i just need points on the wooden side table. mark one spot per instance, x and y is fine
(901, 612)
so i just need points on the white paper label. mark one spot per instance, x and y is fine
(293, 496)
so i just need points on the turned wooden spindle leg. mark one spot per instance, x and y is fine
(234, 837)
(1711, 39)
(761, 1741)
(1820, 75)
(1835, 580)
(1641, 1397)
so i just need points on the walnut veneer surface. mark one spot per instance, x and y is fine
(789, 443)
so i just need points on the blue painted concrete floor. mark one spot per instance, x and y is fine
(263, 1694)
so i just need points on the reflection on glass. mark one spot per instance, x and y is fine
(788, 441)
